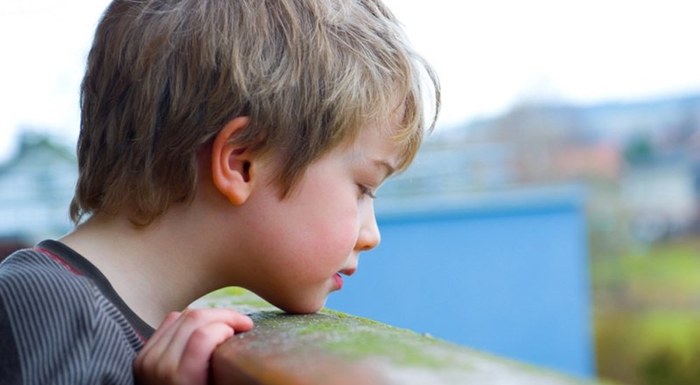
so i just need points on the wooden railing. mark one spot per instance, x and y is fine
(333, 348)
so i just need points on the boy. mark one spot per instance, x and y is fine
(223, 143)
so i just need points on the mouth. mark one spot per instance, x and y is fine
(338, 277)
(338, 281)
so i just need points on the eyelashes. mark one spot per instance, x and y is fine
(366, 191)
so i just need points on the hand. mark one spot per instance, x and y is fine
(180, 349)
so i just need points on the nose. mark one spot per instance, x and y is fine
(369, 236)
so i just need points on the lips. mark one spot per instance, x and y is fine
(338, 277)
(338, 280)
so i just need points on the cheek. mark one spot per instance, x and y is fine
(329, 232)
(309, 236)
(330, 220)
(337, 236)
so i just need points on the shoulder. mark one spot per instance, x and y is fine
(50, 309)
(41, 297)
(46, 291)
(31, 279)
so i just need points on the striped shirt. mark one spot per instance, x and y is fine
(61, 322)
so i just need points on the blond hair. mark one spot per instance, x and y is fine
(163, 77)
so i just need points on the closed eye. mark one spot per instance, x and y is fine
(364, 190)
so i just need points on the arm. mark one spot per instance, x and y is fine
(57, 328)
(9, 356)
(180, 349)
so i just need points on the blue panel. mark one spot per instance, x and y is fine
(509, 280)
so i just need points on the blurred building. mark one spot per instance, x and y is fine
(451, 166)
(36, 187)
(639, 161)
(660, 200)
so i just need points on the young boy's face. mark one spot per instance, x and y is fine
(301, 246)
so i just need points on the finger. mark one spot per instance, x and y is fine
(241, 322)
(234, 319)
(162, 356)
(192, 320)
(162, 333)
(194, 363)
(169, 319)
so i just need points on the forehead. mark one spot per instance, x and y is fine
(393, 134)
(380, 143)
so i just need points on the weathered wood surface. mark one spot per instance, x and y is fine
(333, 348)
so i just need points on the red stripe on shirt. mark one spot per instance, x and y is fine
(58, 259)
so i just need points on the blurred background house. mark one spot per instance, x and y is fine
(36, 187)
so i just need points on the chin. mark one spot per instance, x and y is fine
(296, 307)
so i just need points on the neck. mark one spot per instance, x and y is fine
(155, 269)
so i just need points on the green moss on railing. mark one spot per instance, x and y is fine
(335, 348)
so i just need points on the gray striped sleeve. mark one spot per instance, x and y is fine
(58, 328)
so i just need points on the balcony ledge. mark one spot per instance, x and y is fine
(334, 348)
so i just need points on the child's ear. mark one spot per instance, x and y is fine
(231, 164)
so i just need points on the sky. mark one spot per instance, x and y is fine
(489, 55)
